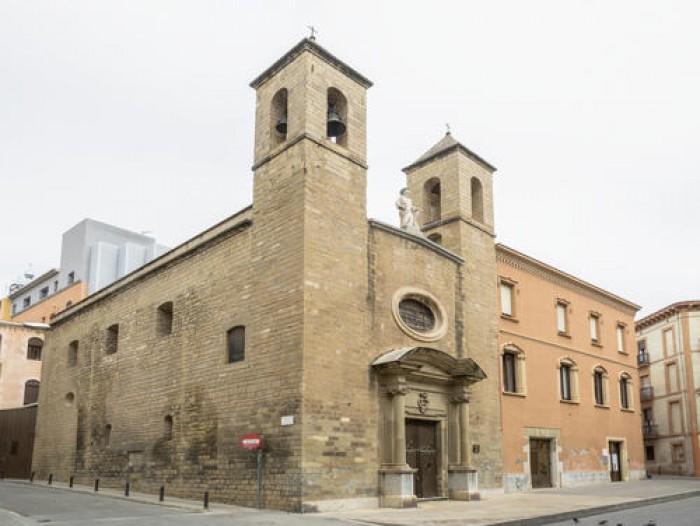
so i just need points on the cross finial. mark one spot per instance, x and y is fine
(447, 125)
(313, 32)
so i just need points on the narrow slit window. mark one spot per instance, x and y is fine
(235, 343)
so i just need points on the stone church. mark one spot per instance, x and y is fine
(365, 355)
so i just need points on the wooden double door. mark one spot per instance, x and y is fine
(541, 462)
(422, 454)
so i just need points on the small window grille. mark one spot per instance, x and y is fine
(34, 348)
(235, 343)
(417, 315)
(31, 392)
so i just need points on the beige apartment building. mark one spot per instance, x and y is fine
(570, 409)
(668, 343)
(21, 350)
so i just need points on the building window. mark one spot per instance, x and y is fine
(73, 353)
(513, 365)
(14, 308)
(594, 323)
(26, 302)
(507, 299)
(642, 354)
(43, 293)
(164, 319)
(562, 317)
(433, 200)
(235, 344)
(55, 285)
(621, 347)
(678, 453)
(417, 315)
(649, 453)
(108, 435)
(168, 427)
(600, 377)
(668, 342)
(568, 380)
(112, 339)
(675, 418)
(34, 347)
(671, 378)
(31, 392)
(477, 200)
(70, 398)
(71, 278)
(625, 391)
(435, 238)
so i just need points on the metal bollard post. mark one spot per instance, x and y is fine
(97, 484)
(70, 481)
(206, 500)
(2, 475)
(161, 497)
(50, 478)
(126, 489)
(31, 477)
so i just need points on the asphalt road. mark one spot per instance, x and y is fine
(685, 512)
(24, 505)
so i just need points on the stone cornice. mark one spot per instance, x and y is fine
(373, 223)
(455, 148)
(665, 313)
(311, 46)
(521, 261)
(322, 143)
(441, 222)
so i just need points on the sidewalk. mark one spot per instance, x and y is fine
(532, 508)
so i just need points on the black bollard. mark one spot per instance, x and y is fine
(126, 489)
(70, 481)
(161, 497)
(97, 484)
(50, 478)
(2, 475)
(206, 500)
(31, 477)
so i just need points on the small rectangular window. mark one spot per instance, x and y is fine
(509, 377)
(598, 388)
(164, 319)
(55, 285)
(671, 378)
(562, 324)
(26, 302)
(112, 339)
(669, 343)
(621, 338)
(594, 321)
(676, 420)
(73, 353)
(71, 278)
(678, 453)
(649, 453)
(624, 393)
(565, 381)
(43, 293)
(235, 344)
(507, 299)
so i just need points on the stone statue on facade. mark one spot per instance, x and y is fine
(408, 213)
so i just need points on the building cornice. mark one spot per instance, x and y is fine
(444, 153)
(420, 240)
(311, 46)
(33, 283)
(666, 312)
(533, 266)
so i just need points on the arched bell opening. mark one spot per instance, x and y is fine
(477, 194)
(433, 200)
(278, 117)
(337, 117)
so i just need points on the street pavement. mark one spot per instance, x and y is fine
(669, 501)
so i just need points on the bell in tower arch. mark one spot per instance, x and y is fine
(281, 126)
(335, 127)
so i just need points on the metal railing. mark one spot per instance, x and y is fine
(646, 393)
(650, 430)
(643, 358)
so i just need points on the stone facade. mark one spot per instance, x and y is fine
(362, 342)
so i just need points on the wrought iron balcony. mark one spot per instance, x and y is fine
(646, 393)
(650, 430)
(642, 358)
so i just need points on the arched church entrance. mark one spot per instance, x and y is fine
(425, 447)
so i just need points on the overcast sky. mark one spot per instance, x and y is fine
(139, 114)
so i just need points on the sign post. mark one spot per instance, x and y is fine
(253, 442)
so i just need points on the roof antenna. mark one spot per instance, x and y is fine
(313, 32)
(447, 125)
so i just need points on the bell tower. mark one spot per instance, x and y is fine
(309, 249)
(453, 187)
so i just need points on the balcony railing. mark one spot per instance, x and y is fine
(646, 393)
(650, 430)
(642, 358)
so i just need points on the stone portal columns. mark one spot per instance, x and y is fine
(462, 478)
(396, 479)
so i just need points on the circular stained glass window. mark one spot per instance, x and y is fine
(417, 315)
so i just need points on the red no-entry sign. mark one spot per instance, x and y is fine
(251, 441)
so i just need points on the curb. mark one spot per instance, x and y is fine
(588, 512)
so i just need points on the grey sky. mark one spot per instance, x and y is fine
(138, 113)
